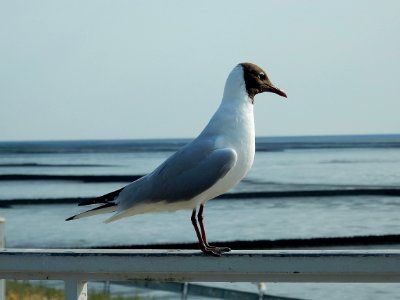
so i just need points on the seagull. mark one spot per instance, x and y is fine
(203, 169)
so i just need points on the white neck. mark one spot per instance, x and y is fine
(236, 105)
(235, 93)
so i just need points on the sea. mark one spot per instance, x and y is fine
(306, 187)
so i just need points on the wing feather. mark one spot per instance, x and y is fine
(183, 176)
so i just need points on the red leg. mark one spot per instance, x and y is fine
(203, 232)
(203, 246)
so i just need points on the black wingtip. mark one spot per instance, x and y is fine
(88, 202)
(70, 218)
(107, 198)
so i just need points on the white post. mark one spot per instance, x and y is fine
(75, 290)
(2, 246)
(185, 289)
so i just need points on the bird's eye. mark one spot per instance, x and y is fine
(262, 76)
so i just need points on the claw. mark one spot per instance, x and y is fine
(211, 251)
(223, 249)
(219, 249)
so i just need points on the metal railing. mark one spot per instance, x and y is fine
(77, 267)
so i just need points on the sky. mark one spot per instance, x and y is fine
(72, 70)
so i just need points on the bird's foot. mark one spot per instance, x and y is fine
(215, 251)
(219, 249)
(211, 251)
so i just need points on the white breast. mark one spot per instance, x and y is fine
(232, 126)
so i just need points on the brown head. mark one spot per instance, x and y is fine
(257, 81)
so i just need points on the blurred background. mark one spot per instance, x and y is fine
(95, 94)
(155, 69)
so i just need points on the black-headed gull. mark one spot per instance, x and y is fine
(205, 168)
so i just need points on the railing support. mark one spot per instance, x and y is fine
(185, 286)
(2, 246)
(75, 290)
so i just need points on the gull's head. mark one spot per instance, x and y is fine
(257, 81)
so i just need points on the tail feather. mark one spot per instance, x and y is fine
(107, 198)
(106, 208)
(108, 205)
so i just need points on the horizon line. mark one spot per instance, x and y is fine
(191, 138)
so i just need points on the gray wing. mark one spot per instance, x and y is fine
(188, 173)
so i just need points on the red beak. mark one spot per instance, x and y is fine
(277, 91)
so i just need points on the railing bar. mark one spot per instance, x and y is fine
(180, 266)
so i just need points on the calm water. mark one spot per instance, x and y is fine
(281, 164)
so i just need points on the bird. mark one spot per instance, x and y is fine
(203, 169)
